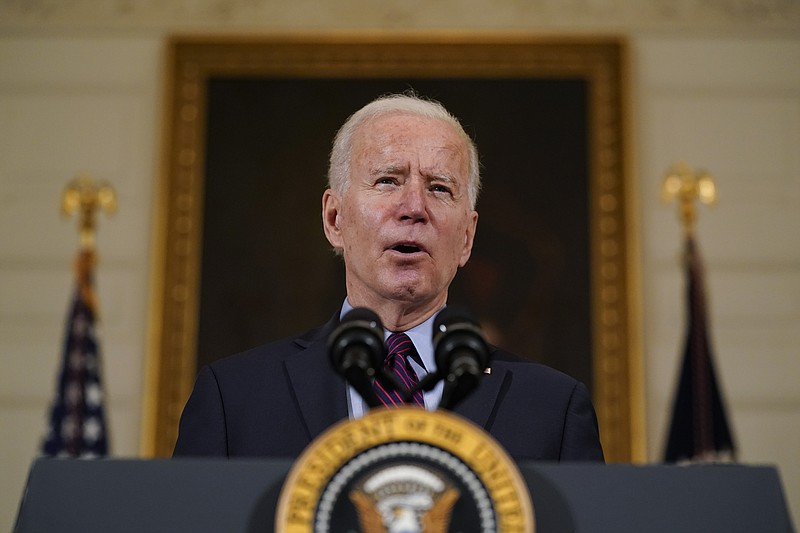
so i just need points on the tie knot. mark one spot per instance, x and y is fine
(398, 343)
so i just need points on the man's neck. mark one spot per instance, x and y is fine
(398, 315)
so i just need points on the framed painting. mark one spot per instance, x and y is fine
(240, 253)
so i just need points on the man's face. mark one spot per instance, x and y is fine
(404, 223)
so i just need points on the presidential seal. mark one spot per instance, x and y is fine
(404, 470)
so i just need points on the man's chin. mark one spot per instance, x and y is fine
(410, 291)
(415, 286)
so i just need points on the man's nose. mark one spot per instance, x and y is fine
(413, 204)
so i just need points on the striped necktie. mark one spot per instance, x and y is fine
(399, 348)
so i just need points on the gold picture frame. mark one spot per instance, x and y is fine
(600, 62)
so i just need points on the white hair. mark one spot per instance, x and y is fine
(404, 104)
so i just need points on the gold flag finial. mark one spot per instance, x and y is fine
(85, 197)
(687, 185)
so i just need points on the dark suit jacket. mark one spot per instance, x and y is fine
(275, 399)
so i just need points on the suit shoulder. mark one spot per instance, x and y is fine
(268, 355)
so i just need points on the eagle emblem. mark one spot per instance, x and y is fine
(404, 499)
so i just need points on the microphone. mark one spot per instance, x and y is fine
(461, 352)
(356, 350)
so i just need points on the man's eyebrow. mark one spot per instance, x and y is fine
(393, 169)
(388, 169)
(446, 178)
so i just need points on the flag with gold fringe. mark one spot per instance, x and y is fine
(77, 426)
(699, 431)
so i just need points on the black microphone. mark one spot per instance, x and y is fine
(356, 350)
(462, 354)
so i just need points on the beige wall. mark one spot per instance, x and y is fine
(733, 106)
(80, 90)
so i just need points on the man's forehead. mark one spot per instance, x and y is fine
(390, 136)
(409, 127)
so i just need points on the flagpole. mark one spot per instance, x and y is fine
(687, 186)
(85, 197)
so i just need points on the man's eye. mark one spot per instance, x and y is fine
(386, 181)
(440, 188)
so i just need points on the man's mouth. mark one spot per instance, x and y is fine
(407, 248)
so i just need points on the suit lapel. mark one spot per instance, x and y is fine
(320, 393)
(479, 406)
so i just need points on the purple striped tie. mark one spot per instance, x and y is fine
(399, 348)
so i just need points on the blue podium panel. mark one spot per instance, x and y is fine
(656, 499)
(197, 495)
(213, 495)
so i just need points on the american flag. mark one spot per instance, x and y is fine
(699, 431)
(77, 425)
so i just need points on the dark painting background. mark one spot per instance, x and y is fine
(267, 271)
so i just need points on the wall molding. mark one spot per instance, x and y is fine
(626, 15)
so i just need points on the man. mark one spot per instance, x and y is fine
(400, 209)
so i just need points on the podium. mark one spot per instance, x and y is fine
(217, 495)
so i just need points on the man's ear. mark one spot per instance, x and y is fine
(469, 238)
(331, 204)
